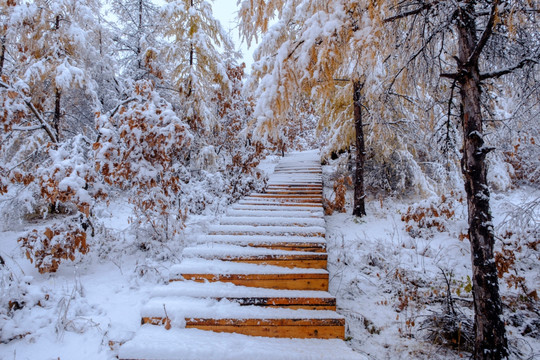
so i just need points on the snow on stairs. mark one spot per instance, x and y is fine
(260, 273)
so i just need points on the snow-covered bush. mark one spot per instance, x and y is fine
(18, 299)
(141, 149)
(519, 235)
(432, 215)
(48, 248)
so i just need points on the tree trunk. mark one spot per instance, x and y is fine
(2, 57)
(139, 37)
(359, 208)
(490, 339)
(57, 112)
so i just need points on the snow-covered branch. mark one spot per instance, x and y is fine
(34, 111)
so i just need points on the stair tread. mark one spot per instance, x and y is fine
(277, 207)
(217, 289)
(180, 308)
(238, 239)
(275, 221)
(156, 343)
(206, 250)
(203, 266)
(305, 214)
(267, 229)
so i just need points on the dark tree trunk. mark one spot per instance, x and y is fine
(139, 36)
(490, 339)
(2, 57)
(359, 208)
(57, 112)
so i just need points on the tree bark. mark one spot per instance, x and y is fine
(2, 57)
(490, 339)
(359, 208)
(57, 112)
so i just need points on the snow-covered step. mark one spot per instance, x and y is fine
(267, 230)
(284, 191)
(297, 171)
(294, 172)
(265, 276)
(283, 213)
(277, 207)
(243, 295)
(296, 178)
(288, 197)
(277, 242)
(257, 221)
(280, 203)
(293, 182)
(306, 186)
(227, 316)
(156, 343)
(283, 198)
(260, 256)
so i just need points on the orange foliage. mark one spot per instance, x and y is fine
(47, 249)
(340, 190)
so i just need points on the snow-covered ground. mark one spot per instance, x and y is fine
(388, 284)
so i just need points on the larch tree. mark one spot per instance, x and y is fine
(472, 44)
(197, 50)
(136, 32)
(49, 97)
(330, 51)
(395, 56)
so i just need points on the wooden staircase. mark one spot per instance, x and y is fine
(260, 272)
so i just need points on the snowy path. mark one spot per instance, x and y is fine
(256, 286)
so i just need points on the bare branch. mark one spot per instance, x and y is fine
(293, 50)
(496, 74)
(27, 128)
(453, 76)
(473, 59)
(115, 110)
(416, 11)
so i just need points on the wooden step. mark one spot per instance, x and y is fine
(280, 328)
(311, 231)
(295, 185)
(288, 302)
(269, 213)
(274, 221)
(292, 281)
(289, 261)
(286, 204)
(259, 256)
(282, 199)
(244, 296)
(286, 191)
(277, 207)
(295, 197)
(157, 343)
(308, 247)
(275, 242)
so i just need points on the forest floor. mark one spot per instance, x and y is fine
(401, 285)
